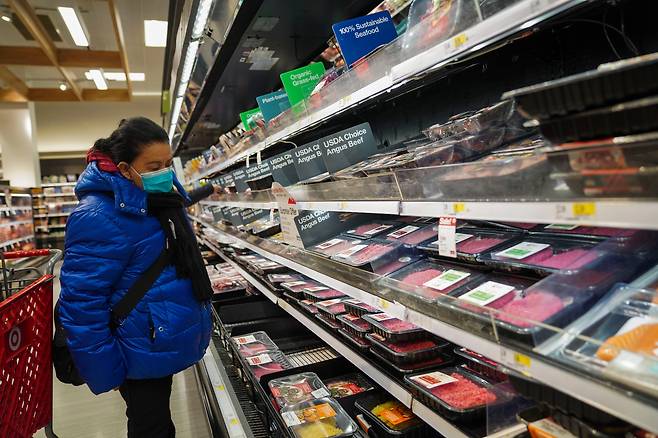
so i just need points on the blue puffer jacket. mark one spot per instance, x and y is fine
(110, 242)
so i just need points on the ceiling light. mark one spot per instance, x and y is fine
(188, 64)
(155, 33)
(63, 86)
(99, 80)
(121, 76)
(6, 18)
(74, 26)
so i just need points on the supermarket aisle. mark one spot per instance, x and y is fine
(78, 413)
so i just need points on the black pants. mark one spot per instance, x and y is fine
(147, 409)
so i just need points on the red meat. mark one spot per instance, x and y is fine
(421, 277)
(478, 244)
(537, 306)
(464, 393)
(371, 253)
(572, 259)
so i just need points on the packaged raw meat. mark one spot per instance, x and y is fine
(493, 290)
(309, 306)
(297, 388)
(283, 278)
(586, 232)
(414, 234)
(441, 360)
(433, 279)
(321, 293)
(390, 416)
(354, 324)
(370, 254)
(253, 344)
(267, 362)
(393, 329)
(371, 229)
(543, 255)
(407, 352)
(481, 365)
(331, 308)
(331, 323)
(356, 307)
(397, 264)
(322, 417)
(454, 393)
(347, 385)
(297, 287)
(472, 242)
(359, 342)
(335, 245)
(528, 309)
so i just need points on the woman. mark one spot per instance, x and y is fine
(132, 207)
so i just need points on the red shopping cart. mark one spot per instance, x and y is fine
(26, 331)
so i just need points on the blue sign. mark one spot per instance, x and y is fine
(273, 104)
(360, 36)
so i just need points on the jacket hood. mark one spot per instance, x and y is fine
(127, 196)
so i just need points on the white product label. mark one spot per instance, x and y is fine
(288, 211)
(320, 392)
(291, 419)
(307, 302)
(245, 340)
(547, 427)
(487, 293)
(259, 360)
(329, 303)
(353, 301)
(460, 237)
(377, 230)
(315, 288)
(350, 252)
(403, 232)
(564, 227)
(329, 244)
(381, 317)
(293, 284)
(281, 277)
(351, 318)
(523, 250)
(432, 380)
(447, 279)
(447, 240)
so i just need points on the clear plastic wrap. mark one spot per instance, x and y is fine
(297, 388)
(407, 352)
(331, 308)
(253, 344)
(393, 329)
(335, 245)
(371, 229)
(434, 279)
(322, 417)
(471, 243)
(321, 293)
(390, 416)
(267, 362)
(370, 254)
(414, 234)
(358, 308)
(347, 385)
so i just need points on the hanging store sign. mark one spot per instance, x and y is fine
(299, 83)
(283, 169)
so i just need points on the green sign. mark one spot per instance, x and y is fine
(247, 118)
(299, 83)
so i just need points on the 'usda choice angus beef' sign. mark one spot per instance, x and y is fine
(348, 147)
(283, 169)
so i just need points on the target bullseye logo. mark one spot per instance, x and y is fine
(15, 338)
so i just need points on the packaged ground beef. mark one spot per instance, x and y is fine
(253, 343)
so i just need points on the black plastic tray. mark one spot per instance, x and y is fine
(369, 400)
(591, 89)
(442, 360)
(622, 119)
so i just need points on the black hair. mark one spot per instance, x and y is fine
(130, 138)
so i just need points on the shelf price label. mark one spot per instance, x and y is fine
(517, 361)
(288, 211)
(393, 309)
(580, 209)
(459, 40)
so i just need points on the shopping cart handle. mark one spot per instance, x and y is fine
(30, 253)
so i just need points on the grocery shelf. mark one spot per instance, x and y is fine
(627, 213)
(480, 37)
(65, 184)
(18, 208)
(63, 203)
(14, 224)
(55, 195)
(394, 388)
(15, 241)
(624, 404)
(49, 215)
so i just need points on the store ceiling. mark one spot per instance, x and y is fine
(299, 34)
(19, 52)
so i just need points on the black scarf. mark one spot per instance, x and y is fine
(169, 208)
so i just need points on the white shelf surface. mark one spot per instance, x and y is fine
(14, 224)
(523, 15)
(614, 401)
(15, 241)
(638, 214)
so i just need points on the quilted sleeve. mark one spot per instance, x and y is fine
(97, 252)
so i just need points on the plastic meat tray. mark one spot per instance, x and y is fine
(371, 254)
(253, 344)
(608, 84)
(335, 245)
(358, 342)
(440, 361)
(481, 365)
(471, 243)
(348, 385)
(297, 388)
(455, 393)
(408, 352)
(267, 362)
(356, 307)
(323, 417)
(393, 329)
(371, 229)
(392, 418)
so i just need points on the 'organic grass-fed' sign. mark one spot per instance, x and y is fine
(299, 83)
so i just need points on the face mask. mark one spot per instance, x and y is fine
(159, 181)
